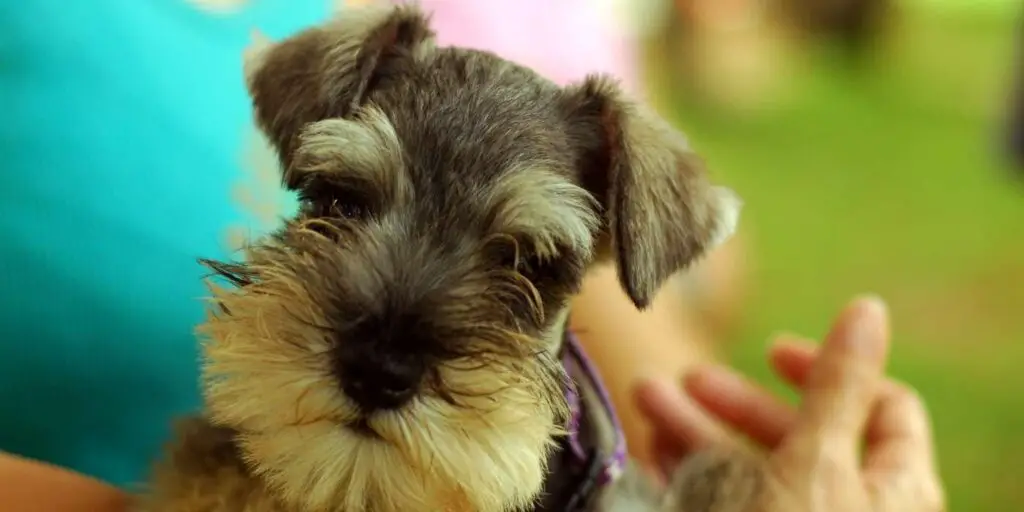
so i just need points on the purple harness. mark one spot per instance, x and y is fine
(603, 463)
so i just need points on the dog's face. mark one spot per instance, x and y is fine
(394, 347)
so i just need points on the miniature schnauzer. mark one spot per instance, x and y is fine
(401, 344)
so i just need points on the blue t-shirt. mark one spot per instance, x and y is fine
(124, 141)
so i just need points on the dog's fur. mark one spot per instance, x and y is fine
(394, 347)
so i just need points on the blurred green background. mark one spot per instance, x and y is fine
(888, 178)
(883, 177)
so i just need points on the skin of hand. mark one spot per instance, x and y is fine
(31, 486)
(858, 441)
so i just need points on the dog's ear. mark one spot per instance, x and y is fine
(660, 212)
(327, 71)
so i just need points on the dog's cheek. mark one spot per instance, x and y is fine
(511, 416)
(263, 364)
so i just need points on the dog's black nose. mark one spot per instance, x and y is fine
(382, 385)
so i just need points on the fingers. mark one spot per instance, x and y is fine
(741, 404)
(747, 407)
(792, 357)
(681, 427)
(899, 461)
(899, 436)
(668, 453)
(841, 386)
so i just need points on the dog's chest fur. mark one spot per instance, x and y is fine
(205, 470)
(591, 471)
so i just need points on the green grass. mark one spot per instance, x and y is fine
(891, 182)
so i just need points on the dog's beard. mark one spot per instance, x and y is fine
(483, 445)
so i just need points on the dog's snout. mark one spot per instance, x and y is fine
(383, 355)
(381, 385)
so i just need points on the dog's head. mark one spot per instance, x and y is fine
(394, 347)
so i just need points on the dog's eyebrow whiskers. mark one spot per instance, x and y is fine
(365, 146)
(511, 286)
(238, 274)
(539, 204)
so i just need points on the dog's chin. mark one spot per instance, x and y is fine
(363, 427)
(309, 443)
(268, 375)
(429, 456)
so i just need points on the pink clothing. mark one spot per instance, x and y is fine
(561, 39)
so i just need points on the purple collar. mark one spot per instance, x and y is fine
(607, 459)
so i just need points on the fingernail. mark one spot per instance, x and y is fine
(866, 329)
(787, 337)
(874, 301)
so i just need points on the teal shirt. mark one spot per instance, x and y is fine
(123, 141)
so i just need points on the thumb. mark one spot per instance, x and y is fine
(843, 383)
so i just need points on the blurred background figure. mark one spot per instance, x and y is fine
(876, 173)
(855, 26)
(740, 54)
(1016, 123)
(718, 53)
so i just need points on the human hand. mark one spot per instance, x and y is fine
(814, 460)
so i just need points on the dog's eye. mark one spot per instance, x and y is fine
(338, 208)
(331, 200)
(506, 256)
(531, 267)
(525, 263)
(347, 209)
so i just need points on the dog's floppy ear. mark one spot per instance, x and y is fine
(327, 71)
(660, 212)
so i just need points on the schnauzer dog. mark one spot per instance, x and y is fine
(400, 345)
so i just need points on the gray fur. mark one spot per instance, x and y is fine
(452, 202)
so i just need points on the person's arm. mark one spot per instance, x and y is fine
(626, 344)
(31, 486)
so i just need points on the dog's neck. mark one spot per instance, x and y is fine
(555, 337)
(594, 452)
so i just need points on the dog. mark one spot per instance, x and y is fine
(400, 345)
